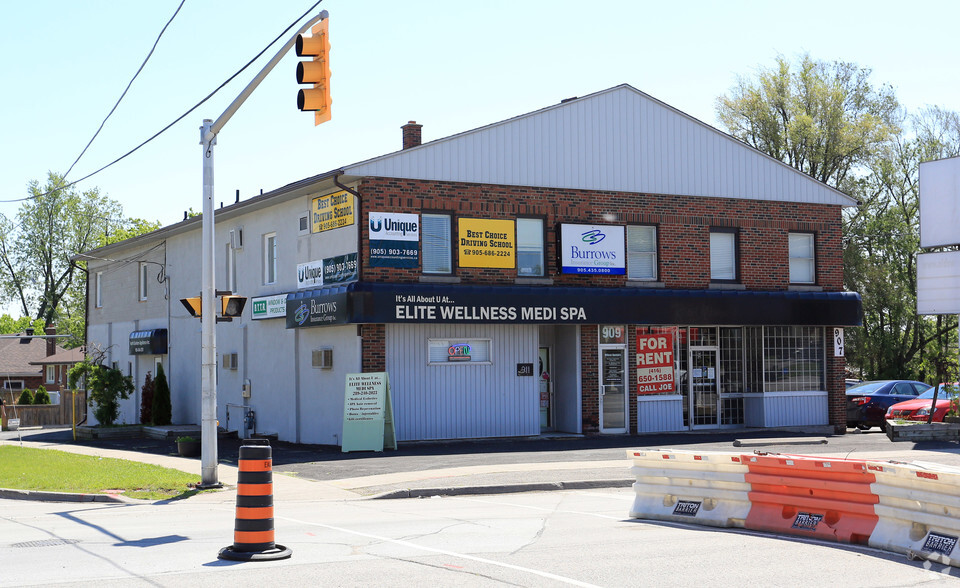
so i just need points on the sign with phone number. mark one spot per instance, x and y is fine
(655, 363)
(487, 243)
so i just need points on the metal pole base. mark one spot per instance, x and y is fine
(214, 486)
(278, 552)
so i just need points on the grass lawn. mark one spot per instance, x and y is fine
(26, 468)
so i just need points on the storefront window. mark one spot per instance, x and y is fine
(793, 359)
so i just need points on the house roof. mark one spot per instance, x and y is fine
(19, 355)
(62, 356)
(619, 139)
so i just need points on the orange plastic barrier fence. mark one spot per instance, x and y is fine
(826, 498)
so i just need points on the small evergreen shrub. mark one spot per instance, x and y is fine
(26, 397)
(162, 411)
(146, 401)
(41, 397)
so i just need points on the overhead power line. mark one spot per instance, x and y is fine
(182, 116)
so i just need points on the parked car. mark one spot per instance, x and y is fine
(868, 402)
(918, 409)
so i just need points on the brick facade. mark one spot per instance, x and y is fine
(683, 252)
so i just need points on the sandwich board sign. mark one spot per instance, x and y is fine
(368, 413)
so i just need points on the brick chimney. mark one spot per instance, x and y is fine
(51, 342)
(411, 134)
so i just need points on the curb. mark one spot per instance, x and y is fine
(47, 496)
(501, 489)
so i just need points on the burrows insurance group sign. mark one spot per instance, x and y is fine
(592, 249)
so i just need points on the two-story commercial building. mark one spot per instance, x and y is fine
(607, 264)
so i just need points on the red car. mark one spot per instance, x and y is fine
(919, 408)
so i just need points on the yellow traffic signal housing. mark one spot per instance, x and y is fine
(316, 72)
(232, 306)
(192, 305)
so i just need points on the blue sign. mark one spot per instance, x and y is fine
(593, 249)
(394, 239)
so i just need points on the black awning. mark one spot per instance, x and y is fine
(364, 302)
(148, 342)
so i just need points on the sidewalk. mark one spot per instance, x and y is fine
(304, 472)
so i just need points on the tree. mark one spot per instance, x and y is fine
(146, 401)
(55, 224)
(824, 119)
(10, 325)
(105, 386)
(162, 410)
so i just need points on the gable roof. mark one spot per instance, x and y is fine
(21, 355)
(618, 139)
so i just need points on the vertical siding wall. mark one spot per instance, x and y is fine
(462, 401)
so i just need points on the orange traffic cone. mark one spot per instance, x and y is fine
(253, 537)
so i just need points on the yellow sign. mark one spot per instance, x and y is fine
(487, 243)
(331, 212)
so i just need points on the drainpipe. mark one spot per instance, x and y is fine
(336, 182)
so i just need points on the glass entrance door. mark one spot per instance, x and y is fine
(613, 387)
(704, 393)
(546, 391)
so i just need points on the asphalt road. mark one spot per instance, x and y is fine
(325, 463)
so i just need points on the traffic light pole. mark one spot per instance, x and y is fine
(208, 334)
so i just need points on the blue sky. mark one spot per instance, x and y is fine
(450, 66)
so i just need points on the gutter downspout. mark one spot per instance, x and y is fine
(336, 182)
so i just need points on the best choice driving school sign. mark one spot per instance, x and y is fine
(331, 211)
(487, 243)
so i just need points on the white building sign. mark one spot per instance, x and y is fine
(266, 307)
(592, 249)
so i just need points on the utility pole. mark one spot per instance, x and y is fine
(208, 335)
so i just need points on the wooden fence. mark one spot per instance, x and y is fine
(31, 415)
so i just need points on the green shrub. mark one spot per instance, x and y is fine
(26, 397)
(162, 411)
(41, 397)
(105, 387)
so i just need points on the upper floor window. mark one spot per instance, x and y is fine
(270, 258)
(530, 247)
(436, 257)
(641, 252)
(144, 280)
(51, 372)
(723, 255)
(98, 287)
(802, 259)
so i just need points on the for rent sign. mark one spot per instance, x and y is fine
(655, 363)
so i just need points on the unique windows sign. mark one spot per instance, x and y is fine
(328, 271)
(655, 363)
(394, 239)
(592, 249)
(331, 211)
(487, 243)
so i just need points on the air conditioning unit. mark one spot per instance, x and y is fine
(323, 358)
(229, 361)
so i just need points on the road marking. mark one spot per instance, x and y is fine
(482, 560)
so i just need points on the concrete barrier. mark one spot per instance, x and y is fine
(685, 486)
(919, 510)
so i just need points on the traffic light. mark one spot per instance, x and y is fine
(316, 72)
(232, 306)
(192, 305)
